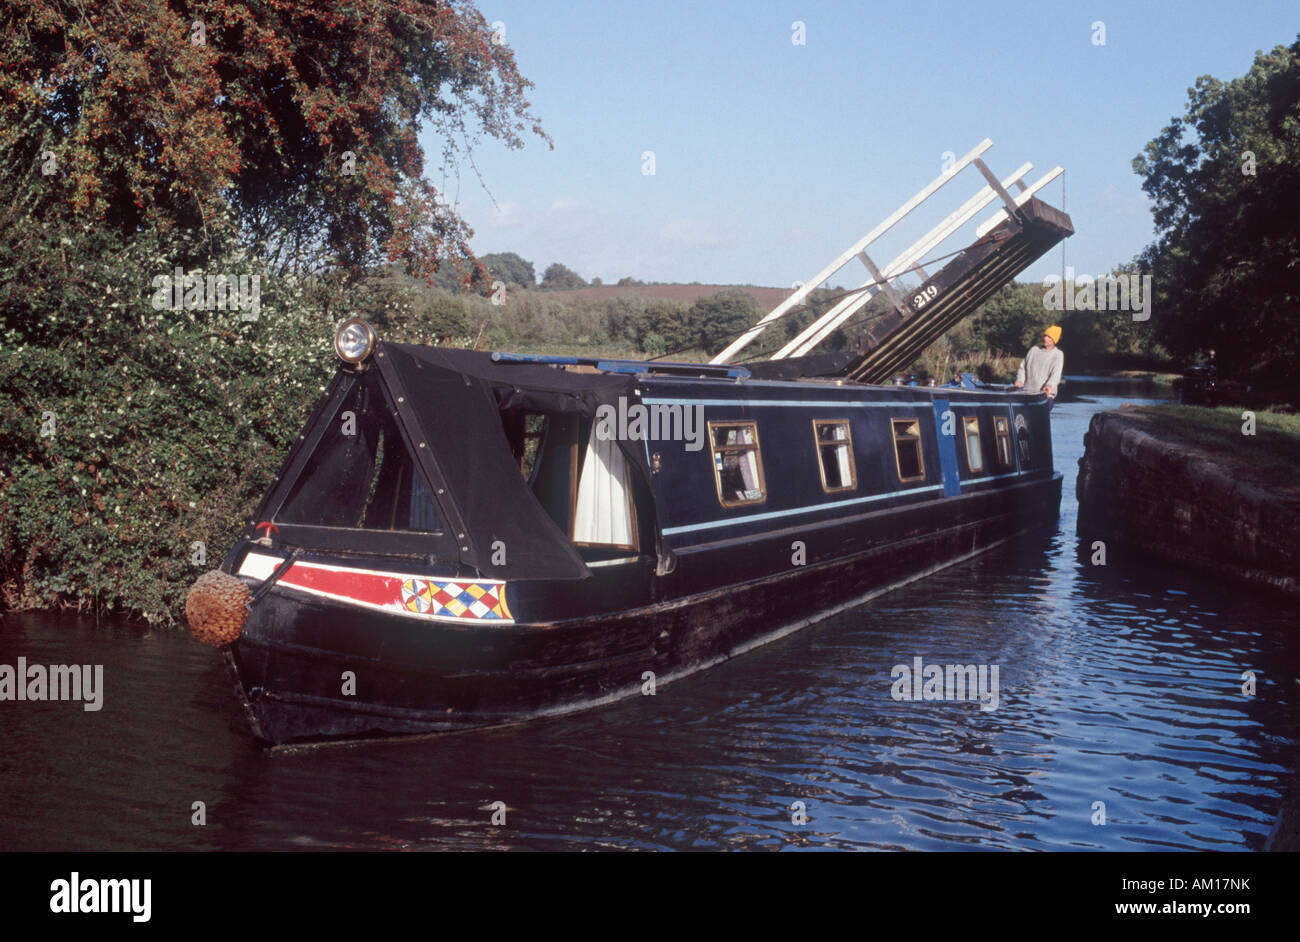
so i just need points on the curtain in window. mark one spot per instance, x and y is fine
(604, 511)
(749, 471)
(748, 461)
(974, 453)
(841, 434)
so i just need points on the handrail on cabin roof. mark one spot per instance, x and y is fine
(608, 365)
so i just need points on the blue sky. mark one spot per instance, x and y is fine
(772, 158)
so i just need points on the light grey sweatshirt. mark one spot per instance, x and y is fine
(1041, 368)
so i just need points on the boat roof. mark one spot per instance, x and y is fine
(572, 384)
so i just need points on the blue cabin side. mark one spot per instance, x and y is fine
(902, 446)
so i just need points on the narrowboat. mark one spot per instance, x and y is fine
(466, 539)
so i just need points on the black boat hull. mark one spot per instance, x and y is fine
(310, 668)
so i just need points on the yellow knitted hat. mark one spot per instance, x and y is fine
(1054, 332)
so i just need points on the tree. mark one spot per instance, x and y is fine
(664, 326)
(446, 318)
(298, 119)
(653, 345)
(143, 135)
(1010, 320)
(558, 278)
(510, 268)
(818, 303)
(1225, 180)
(718, 320)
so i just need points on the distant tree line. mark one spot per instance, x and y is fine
(530, 316)
(536, 319)
(512, 270)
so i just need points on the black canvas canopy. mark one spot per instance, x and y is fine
(450, 404)
(442, 408)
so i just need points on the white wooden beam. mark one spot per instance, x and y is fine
(998, 188)
(816, 332)
(895, 298)
(864, 293)
(988, 225)
(888, 223)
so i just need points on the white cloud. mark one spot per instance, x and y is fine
(699, 232)
(507, 215)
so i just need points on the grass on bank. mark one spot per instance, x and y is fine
(1273, 451)
(1146, 376)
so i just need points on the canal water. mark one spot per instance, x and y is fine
(1121, 724)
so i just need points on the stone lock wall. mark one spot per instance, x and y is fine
(1184, 504)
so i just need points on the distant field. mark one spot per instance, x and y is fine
(767, 298)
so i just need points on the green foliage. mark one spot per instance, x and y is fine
(510, 268)
(300, 118)
(1131, 336)
(669, 324)
(445, 318)
(1012, 319)
(167, 425)
(270, 142)
(1225, 179)
(818, 303)
(1089, 341)
(558, 277)
(714, 322)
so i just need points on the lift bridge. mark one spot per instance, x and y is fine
(1013, 238)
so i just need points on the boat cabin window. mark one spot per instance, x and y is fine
(974, 451)
(737, 464)
(525, 431)
(1002, 429)
(1022, 442)
(907, 449)
(361, 475)
(835, 455)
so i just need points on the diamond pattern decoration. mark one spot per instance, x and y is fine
(458, 600)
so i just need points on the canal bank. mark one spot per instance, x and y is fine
(1215, 490)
